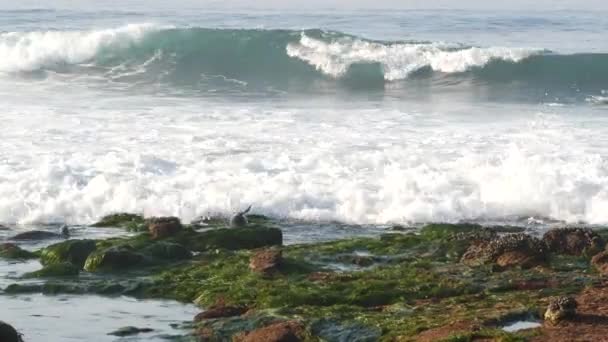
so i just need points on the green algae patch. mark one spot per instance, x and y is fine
(131, 222)
(230, 238)
(72, 251)
(12, 251)
(64, 269)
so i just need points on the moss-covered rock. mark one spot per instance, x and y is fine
(12, 251)
(445, 230)
(231, 239)
(166, 251)
(113, 259)
(507, 251)
(63, 269)
(37, 235)
(574, 241)
(73, 251)
(128, 221)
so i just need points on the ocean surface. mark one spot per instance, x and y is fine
(365, 117)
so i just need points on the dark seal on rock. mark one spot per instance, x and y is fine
(506, 251)
(574, 241)
(559, 309)
(163, 227)
(239, 220)
(8, 333)
(290, 331)
(266, 261)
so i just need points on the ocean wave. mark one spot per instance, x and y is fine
(206, 58)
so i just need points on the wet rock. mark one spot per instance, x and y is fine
(220, 310)
(36, 235)
(167, 251)
(73, 251)
(121, 220)
(559, 309)
(164, 227)
(231, 239)
(445, 230)
(266, 261)
(112, 259)
(8, 333)
(12, 251)
(130, 331)
(573, 241)
(290, 331)
(4, 228)
(63, 269)
(506, 251)
(600, 261)
(331, 330)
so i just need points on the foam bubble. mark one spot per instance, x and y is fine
(399, 60)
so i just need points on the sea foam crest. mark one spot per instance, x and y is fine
(399, 60)
(29, 51)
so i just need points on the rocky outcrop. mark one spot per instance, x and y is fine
(600, 262)
(167, 251)
(506, 251)
(8, 333)
(64, 269)
(290, 331)
(559, 309)
(220, 310)
(37, 235)
(266, 261)
(113, 259)
(12, 251)
(231, 239)
(574, 241)
(164, 227)
(121, 220)
(72, 251)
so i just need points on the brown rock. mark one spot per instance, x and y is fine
(266, 261)
(219, 311)
(559, 309)
(600, 261)
(573, 241)
(290, 331)
(163, 227)
(506, 251)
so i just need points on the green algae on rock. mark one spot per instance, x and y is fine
(113, 259)
(12, 251)
(63, 269)
(122, 220)
(73, 251)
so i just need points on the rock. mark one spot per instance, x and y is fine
(231, 239)
(129, 331)
(8, 333)
(65, 231)
(239, 220)
(4, 228)
(600, 261)
(112, 259)
(266, 261)
(63, 269)
(445, 230)
(121, 220)
(574, 241)
(507, 251)
(334, 330)
(559, 309)
(164, 227)
(290, 331)
(220, 310)
(167, 251)
(36, 235)
(73, 251)
(12, 251)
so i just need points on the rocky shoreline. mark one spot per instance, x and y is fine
(452, 282)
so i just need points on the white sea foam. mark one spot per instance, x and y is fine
(28, 51)
(77, 156)
(398, 60)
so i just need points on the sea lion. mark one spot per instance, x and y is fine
(239, 220)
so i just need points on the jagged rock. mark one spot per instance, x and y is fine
(129, 331)
(12, 251)
(290, 331)
(507, 251)
(73, 251)
(559, 309)
(8, 333)
(266, 261)
(164, 227)
(573, 241)
(112, 259)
